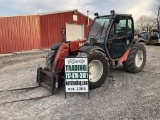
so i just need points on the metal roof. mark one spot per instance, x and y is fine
(46, 13)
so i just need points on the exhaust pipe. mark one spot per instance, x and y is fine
(87, 18)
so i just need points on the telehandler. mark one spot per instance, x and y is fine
(153, 38)
(110, 41)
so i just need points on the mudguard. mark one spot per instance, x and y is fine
(89, 49)
(56, 46)
(138, 40)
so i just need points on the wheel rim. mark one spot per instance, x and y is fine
(139, 58)
(95, 70)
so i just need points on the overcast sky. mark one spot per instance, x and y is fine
(23, 7)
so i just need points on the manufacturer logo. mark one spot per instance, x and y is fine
(81, 44)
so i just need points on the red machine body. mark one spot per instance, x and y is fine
(65, 50)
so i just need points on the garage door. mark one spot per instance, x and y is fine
(74, 32)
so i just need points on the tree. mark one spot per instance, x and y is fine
(144, 22)
(156, 7)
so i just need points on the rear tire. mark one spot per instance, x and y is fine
(98, 68)
(136, 59)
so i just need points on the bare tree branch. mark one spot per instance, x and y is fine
(144, 21)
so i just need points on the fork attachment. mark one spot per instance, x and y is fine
(47, 79)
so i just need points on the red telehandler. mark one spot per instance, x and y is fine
(110, 41)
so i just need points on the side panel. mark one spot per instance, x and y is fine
(62, 53)
(19, 33)
(124, 57)
(76, 45)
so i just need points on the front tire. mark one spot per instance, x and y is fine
(49, 63)
(50, 58)
(136, 59)
(98, 68)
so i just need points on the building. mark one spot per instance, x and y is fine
(18, 33)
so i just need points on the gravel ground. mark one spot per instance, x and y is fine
(124, 96)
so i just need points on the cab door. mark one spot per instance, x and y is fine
(119, 37)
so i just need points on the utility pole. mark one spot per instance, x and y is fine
(158, 19)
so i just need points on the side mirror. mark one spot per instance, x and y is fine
(96, 14)
(117, 18)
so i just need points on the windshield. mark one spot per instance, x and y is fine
(98, 29)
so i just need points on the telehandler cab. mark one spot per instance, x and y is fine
(110, 41)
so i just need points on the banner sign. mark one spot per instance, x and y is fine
(76, 75)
